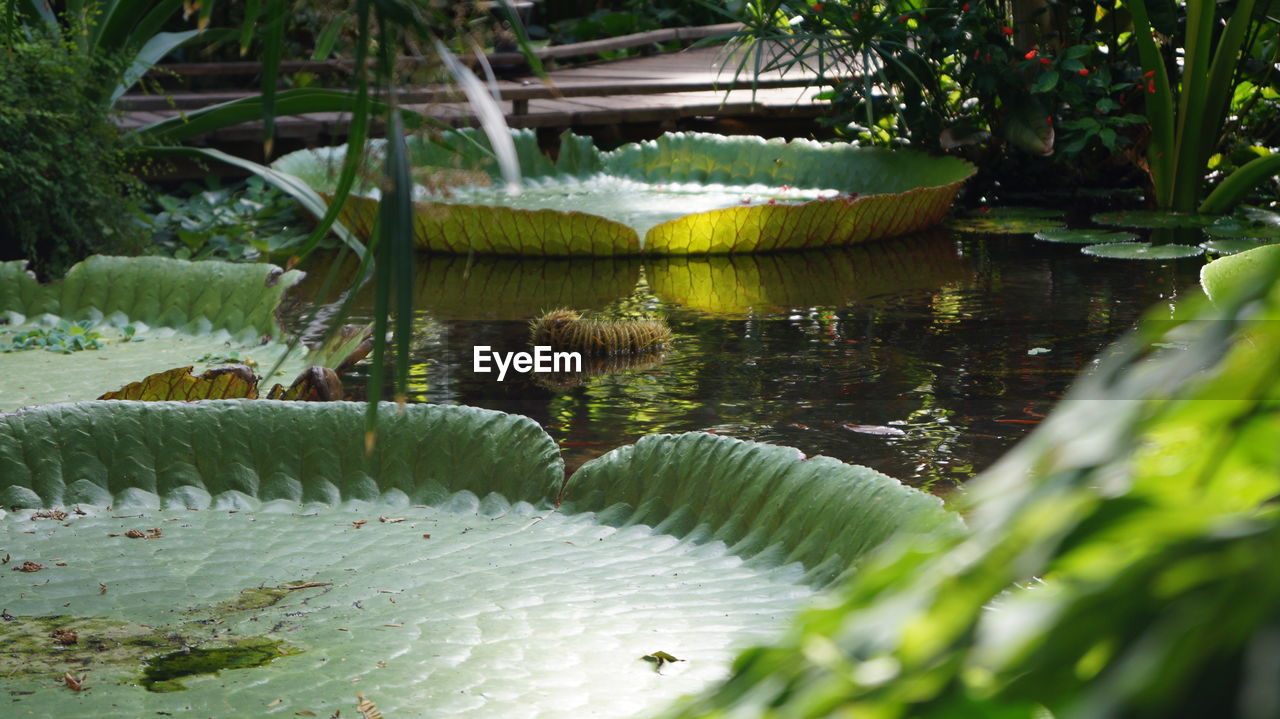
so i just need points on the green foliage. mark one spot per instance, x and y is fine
(629, 17)
(245, 223)
(1121, 561)
(63, 173)
(64, 338)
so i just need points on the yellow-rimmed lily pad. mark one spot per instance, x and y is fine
(684, 193)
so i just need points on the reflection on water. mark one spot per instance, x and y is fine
(924, 358)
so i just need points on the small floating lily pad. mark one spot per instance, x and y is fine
(1085, 237)
(1249, 223)
(1231, 246)
(1025, 212)
(1142, 251)
(1009, 221)
(1153, 219)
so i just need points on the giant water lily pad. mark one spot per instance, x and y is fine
(152, 314)
(684, 193)
(435, 571)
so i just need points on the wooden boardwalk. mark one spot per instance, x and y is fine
(660, 89)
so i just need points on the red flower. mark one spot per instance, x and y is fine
(1006, 29)
(857, 16)
(1151, 87)
(1048, 121)
(964, 7)
(1149, 73)
(902, 18)
(1045, 61)
(817, 6)
(1083, 71)
(984, 209)
(1030, 54)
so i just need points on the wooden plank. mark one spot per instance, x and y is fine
(590, 47)
(689, 71)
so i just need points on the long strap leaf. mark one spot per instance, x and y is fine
(272, 50)
(1159, 106)
(357, 131)
(1188, 175)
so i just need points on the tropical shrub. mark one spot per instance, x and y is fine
(246, 222)
(64, 176)
(1090, 84)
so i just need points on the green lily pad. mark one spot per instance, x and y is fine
(1248, 222)
(1142, 251)
(194, 297)
(151, 314)
(685, 193)
(1022, 212)
(1085, 237)
(449, 570)
(1153, 219)
(1232, 246)
(1011, 220)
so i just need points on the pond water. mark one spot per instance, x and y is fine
(922, 357)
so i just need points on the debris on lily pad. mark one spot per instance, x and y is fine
(314, 384)
(1085, 237)
(1009, 220)
(659, 659)
(179, 383)
(1142, 251)
(1154, 219)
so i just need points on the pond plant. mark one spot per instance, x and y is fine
(747, 194)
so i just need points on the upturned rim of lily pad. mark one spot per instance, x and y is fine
(872, 194)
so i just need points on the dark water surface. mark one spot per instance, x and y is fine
(921, 357)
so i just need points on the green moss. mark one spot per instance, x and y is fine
(163, 673)
(111, 648)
